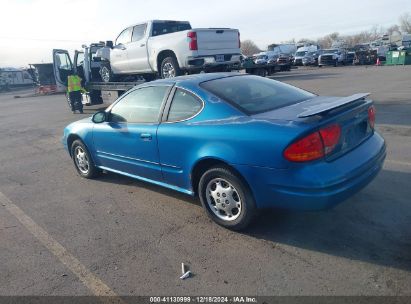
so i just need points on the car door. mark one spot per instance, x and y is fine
(62, 67)
(127, 142)
(137, 50)
(118, 54)
(176, 135)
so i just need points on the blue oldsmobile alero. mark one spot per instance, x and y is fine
(239, 142)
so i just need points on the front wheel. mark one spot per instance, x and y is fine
(226, 198)
(170, 68)
(82, 160)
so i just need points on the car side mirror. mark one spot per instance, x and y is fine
(99, 117)
(109, 44)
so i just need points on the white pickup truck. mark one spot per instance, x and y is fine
(168, 49)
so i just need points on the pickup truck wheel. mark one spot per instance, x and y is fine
(170, 68)
(106, 73)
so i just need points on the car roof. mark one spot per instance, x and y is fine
(195, 79)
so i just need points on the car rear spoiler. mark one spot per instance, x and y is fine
(318, 109)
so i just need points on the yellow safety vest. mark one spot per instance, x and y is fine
(73, 83)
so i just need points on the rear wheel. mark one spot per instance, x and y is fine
(170, 68)
(82, 160)
(106, 72)
(226, 198)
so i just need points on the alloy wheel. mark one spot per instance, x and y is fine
(81, 159)
(223, 199)
(168, 70)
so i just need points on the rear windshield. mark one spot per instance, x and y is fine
(162, 28)
(254, 94)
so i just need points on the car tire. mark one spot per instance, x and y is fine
(261, 72)
(83, 161)
(106, 72)
(170, 68)
(236, 209)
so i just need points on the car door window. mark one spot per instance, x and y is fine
(184, 106)
(139, 32)
(139, 106)
(124, 37)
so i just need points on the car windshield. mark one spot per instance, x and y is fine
(262, 57)
(331, 51)
(253, 94)
(302, 53)
(162, 28)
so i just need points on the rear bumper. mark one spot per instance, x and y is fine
(210, 61)
(318, 185)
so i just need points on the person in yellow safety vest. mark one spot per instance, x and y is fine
(74, 90)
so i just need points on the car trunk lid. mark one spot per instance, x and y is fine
(350, 113)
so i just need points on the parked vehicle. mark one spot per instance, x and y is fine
(298, 57)
(169, 48)
(261, 59)
(284, 62)
(365, 57)
(311, 58)
(87, 64)
(239, 142)
(302, 52)
(284, 48)
(333, 57)
(350, 57)
(263, 68)
(12, 77)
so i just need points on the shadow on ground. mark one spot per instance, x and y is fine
(373, 226)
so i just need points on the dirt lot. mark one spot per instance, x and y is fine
(64, 235)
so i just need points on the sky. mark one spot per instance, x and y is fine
(30, 29)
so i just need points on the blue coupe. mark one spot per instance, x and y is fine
(239, 142)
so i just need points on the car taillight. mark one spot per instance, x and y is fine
(314, 146)
(331, 136)
(371, 116)
(239, 40)
(192, 44)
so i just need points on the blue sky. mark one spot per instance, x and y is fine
(30, 29)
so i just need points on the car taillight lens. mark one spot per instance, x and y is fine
(239, 40)
(371, 116)
(331, 136)
(314, 146)
(192, 44)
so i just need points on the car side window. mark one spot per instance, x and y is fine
(139, 106)
(183, 106)
(124, 37)
(138, 32)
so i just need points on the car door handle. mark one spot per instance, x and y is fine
(143, 44)
(146, 136)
